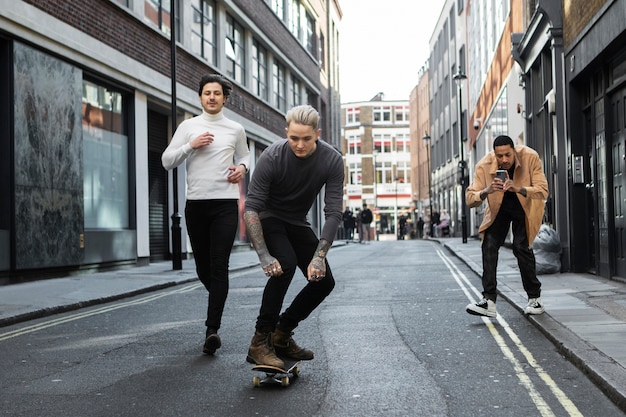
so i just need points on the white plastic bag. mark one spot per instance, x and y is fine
(547, 249)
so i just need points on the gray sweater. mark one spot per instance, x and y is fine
(285, 186)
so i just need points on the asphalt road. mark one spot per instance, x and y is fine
(393, 339)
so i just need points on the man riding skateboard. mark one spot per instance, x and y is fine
(286, 181)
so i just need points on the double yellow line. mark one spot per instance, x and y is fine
(541, 405)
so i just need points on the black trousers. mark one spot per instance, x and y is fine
(509, 215)
(212, 225)
(294, 247)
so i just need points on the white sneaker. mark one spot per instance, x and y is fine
(534, 306)
(484, 307)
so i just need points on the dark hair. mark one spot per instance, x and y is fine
(503, 140)
(227, 87)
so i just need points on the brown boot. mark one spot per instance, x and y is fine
(261, 351)
(284, 345)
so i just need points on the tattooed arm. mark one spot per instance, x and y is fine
(317, 268)
(270, 265)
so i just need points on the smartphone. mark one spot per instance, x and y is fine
(502, 174)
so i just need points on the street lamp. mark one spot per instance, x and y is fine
(426, 139)
(374, 153)
(459, 77)
(177, 257)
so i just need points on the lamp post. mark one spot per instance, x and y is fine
(426, 139)
(177, 257)
(395, 212)
(459, 77)
(374, 153)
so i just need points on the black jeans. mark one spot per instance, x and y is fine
(492, 241)
(294, 247)
(212, 225)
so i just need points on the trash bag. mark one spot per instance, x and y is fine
(547, 249)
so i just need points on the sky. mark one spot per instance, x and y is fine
(383, 44)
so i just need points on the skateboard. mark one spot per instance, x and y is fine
(276, 376)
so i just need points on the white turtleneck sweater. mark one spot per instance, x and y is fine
(207, 167)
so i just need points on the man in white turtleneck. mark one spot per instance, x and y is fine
(217, 156)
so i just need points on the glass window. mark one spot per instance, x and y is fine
(279, 86)
(105, 156)
(402, 114)
(382, 143)
(384, 171)
(122, 2)
(354, 173)
(294, 20)
(278, 7)
(235, 51)
(259, 70)
(403, 172)
(354, 144)
(382, 114)
(403, 143)
(158, 13)
(311, 38)
(352, 115)
(203, 29)
(296, 91)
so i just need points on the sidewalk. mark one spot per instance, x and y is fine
(585, 315)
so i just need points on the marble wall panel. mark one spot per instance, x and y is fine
(48, 160)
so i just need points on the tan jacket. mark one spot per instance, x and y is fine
(528, 174)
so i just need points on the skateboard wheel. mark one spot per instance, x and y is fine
(296, 371)
(284, 381)
(256, 381)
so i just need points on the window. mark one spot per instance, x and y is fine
(352, 115)
(354, 144)
(382, 143)
(311, 38)
(403, 143)
(259, 70)
(203, 29)
(105, 155)
(403, 172)
(402, 114)
(382, 114)
(235, 51)
(294, 19)
(322, 52)
(384, 172)
(122, 2)
(296, 91)
(354, 173)
(279, 84)
(277, 7)
(158, 12)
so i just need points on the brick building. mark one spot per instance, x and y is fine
(86, 113)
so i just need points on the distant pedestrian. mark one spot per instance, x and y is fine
(420, 227)
(366, 220)
(516, 202)
(348, 223)
(216, 153)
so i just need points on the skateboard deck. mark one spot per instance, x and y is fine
(276, 376)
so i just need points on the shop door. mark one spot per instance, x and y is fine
(157, 177)
(618, 159)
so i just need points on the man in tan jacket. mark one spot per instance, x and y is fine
(518, 201)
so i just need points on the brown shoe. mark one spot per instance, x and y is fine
(285, 346)
(261, 351)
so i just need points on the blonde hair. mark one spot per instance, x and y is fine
(304, 115)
